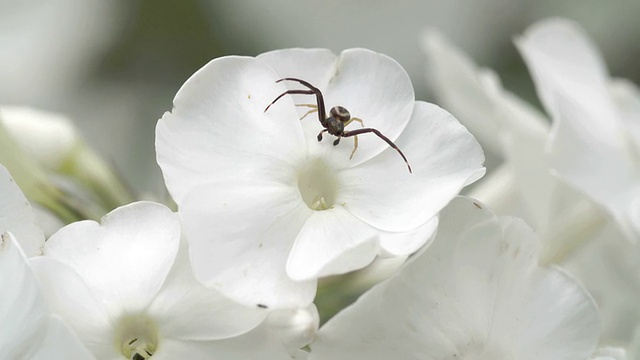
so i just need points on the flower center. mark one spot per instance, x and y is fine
(317, 185)
(137, 337)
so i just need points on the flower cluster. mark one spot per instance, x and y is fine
(304, 179)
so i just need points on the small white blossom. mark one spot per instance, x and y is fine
(476, 293)
(267, 208)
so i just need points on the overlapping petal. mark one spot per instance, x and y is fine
(316, 254)
(28, 329)
(218, 129)
(562, 60)
(22, 307)
(240, 238)
(188, 311)
(70, 298)
(477, 292)
(461, 89)
(260, 343)
(17, 216)
(590, 134)
(444, 158)
(126, 258)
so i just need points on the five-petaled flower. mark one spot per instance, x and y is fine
(267, 208)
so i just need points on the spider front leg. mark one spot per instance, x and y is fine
(320, 134)
(379, 134)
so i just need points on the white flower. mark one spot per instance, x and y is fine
(595, 142)
(126, 289)
(28, 330)
(476, 293)
(267, 208)
(17, 216)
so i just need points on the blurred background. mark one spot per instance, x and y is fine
(114, 66)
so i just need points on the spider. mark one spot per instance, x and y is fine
(338, 120)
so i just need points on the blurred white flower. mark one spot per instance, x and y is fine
(476, 293)
(28, 330)
(595, 139)
(267, 208)
(127, 290)
(574, 231)
(524, 185)
(39, 144)
(17, 216)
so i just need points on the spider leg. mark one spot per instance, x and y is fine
(313, 107)
(289, 92)
(354, 119)
(379, 134)
(355, 146)
(320, 134)
(322, 115)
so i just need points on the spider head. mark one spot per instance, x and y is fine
(340, 113)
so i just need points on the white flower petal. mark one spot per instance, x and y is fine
(218, 128)
(61, 343)
(577, 153)
(626, 97)
(245, 257)
(28, 331)
(371, 86)
(186, 310)
(457, 83)
(22, 308)
(70, 298)
(17, 216)
(316, 253)
(476, 293)
(406, 243)
(608, 267)
(257, 344)
(563, 61)
(444, 156)
(126, 258)
(315, 66)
